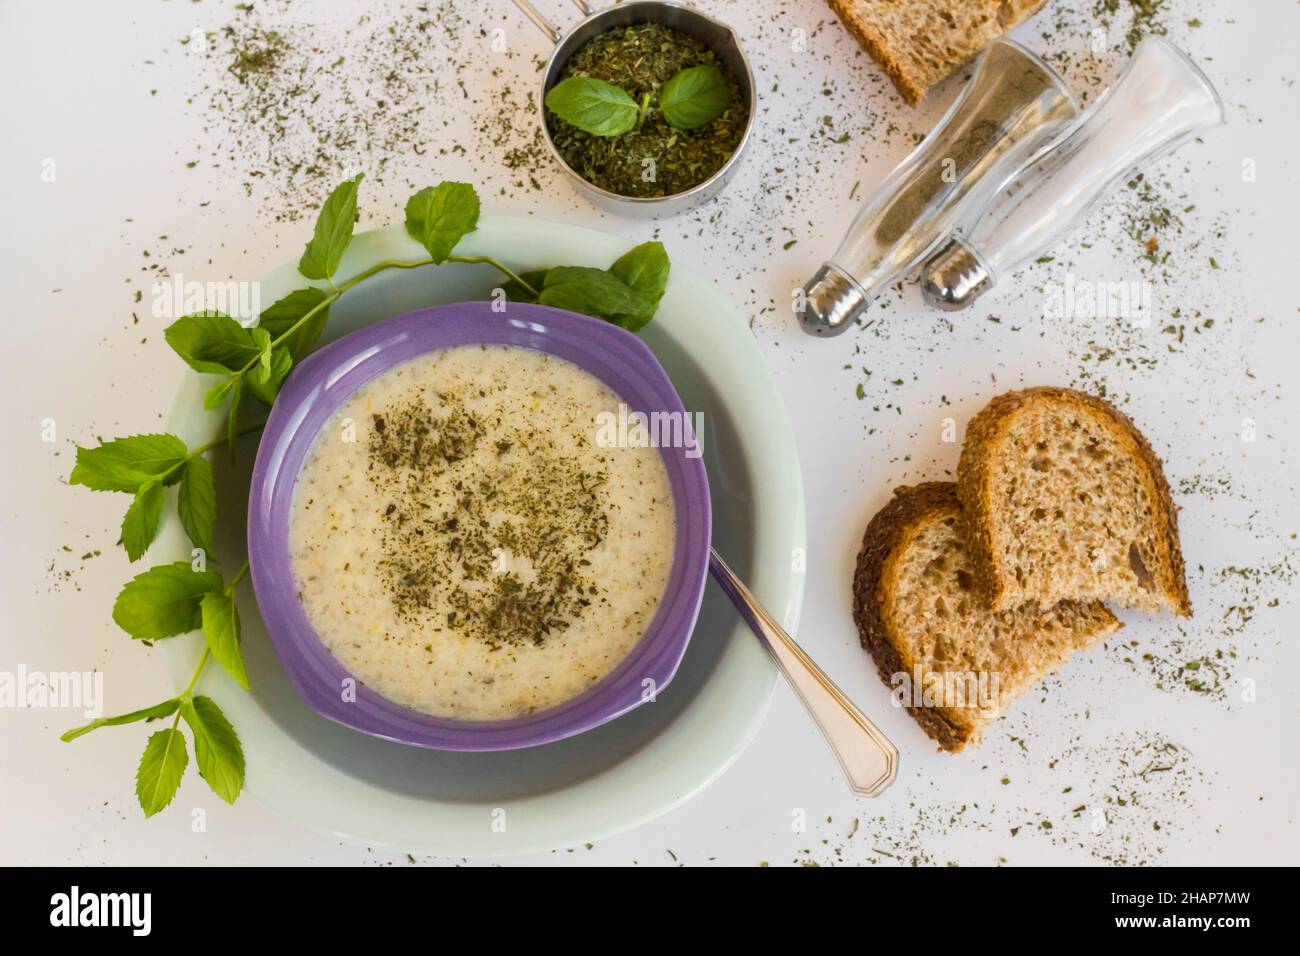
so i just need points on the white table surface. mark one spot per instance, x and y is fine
(111, 95)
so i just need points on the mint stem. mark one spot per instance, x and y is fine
(492, 262)
(374, 270)
(380, 267)
(198, 671)
(239, 576)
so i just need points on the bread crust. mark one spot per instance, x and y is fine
(886, 533)
(875, 45)
(913, 87)
(983, 439)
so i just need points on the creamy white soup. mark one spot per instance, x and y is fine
(464, 545)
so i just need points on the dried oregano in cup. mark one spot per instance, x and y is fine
(646, 111)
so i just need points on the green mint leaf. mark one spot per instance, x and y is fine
(439, 216)
(215, 343)
(164, 601)
(517, 293)
(124, 464)
(196, 503)
(217, 394)
(643, 268)
(694, 97)
(232, 419)
(140, 525)
(216, 747)
(592, 105)
(221, 631)
(265, 381)
(334, 225)
(161, 768)
(593, 292)
(280, 316)
(165, 709)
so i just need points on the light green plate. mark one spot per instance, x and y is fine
(338, 781)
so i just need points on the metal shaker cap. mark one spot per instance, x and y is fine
(954, 277)
(832, 300)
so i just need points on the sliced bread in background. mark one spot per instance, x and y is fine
(1066, 500)
(920, 42)
(928, 630)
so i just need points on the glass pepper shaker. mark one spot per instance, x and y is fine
(1014, 104)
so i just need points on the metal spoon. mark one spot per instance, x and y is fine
(869, 760)
(866, 755)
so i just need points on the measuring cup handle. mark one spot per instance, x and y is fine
(532, 13)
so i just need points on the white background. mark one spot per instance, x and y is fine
(78, 79)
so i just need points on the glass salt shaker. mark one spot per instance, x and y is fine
(1014, 105)
(1160, 100)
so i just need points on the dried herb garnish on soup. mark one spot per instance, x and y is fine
(650, 156)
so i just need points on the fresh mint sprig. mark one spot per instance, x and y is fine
(165, 601)
(170, 600)
(627, 293)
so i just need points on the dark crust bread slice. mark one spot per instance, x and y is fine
(974, 474)
(884, 534)
(896, 33)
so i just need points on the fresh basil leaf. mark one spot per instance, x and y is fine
(643, 268)
(592, 105)
(517, 293)
(279, 317)
(124, 464)
(196, 503)
(221, 631)
(217, 394)
(216, 343)
(694, 97)
(216, 747)
(439, 216)
(140, 526)
(334, 226)
(165, 709)
(265, 383)
(593, 292)
(161, 768)
(164, 601)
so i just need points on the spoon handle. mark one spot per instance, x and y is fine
(866, 755)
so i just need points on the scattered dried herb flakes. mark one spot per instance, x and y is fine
(62, 568)
(1123, 801)
(1144, 18)
(294, 105)
(1237, 614)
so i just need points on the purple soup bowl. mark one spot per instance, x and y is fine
(312, 394)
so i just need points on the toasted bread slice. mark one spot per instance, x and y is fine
(1066, 499)
(924, 624)
(920, 42)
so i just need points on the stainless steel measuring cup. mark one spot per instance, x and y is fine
(719, 37)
